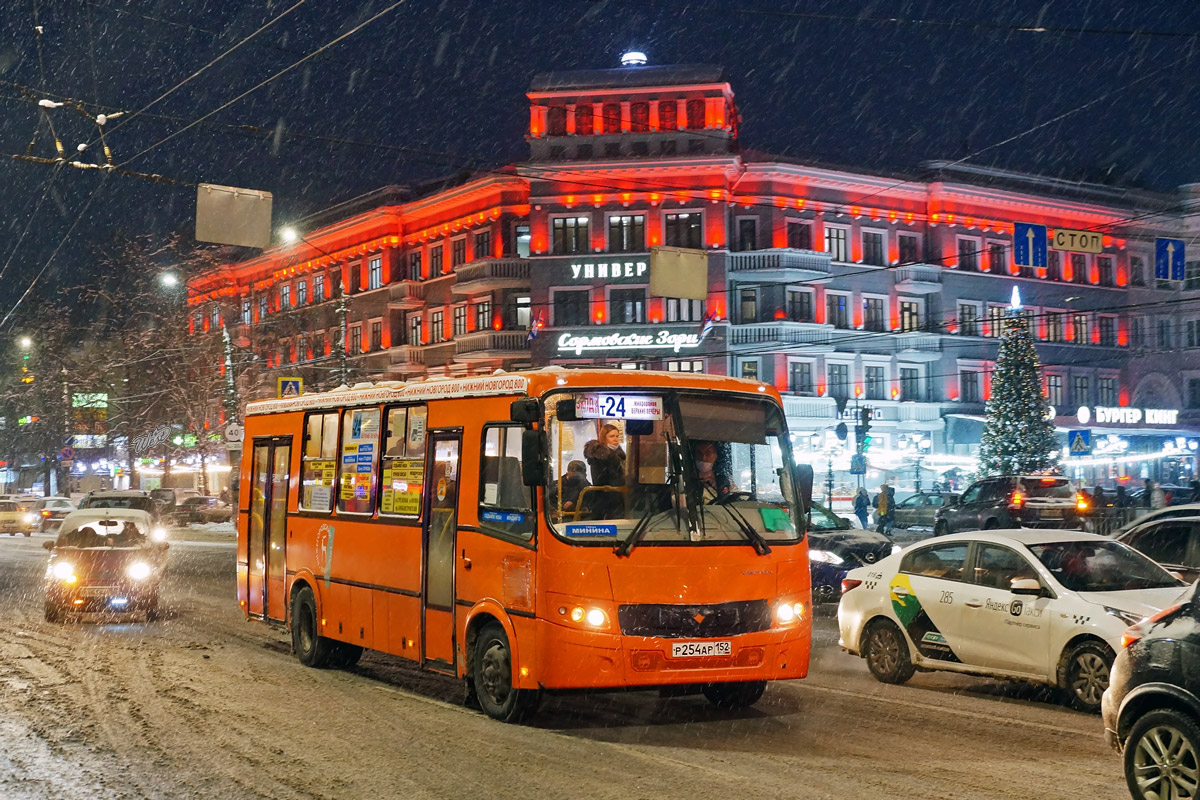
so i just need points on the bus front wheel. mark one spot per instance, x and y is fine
(741, 694)
(492, 677)
(312, 649)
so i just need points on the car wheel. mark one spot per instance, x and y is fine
(1085, 675)
(991, 525)
(941, 529)
(887, 653)
(732, 696)
(492, 677)
(1162, 756)
(345, 655)
(312, 649)
(53, 612)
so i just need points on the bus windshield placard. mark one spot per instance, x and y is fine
(618, 406)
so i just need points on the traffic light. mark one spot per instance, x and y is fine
(864, 429)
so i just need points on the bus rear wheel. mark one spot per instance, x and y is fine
(492, 678)
(312, 649)
(741, 694)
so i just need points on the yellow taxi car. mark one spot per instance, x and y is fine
(16, 517)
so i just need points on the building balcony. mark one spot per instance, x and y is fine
(782, 264)
(407, 295)
(491, 345)
(781, 332)
(918, 345)
(489, 274)
(919, 412)
(919, 278)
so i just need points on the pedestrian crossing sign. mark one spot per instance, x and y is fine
(1079, 442)
(289, 387)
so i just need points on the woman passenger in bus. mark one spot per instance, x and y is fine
(607, 461)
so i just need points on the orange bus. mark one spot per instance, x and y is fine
(535, 531)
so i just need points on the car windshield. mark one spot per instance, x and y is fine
(123, 533)
(139, 503)
(669, 467)
(1058, 489)
(822, 519)
(1101, 566)
(8, 505)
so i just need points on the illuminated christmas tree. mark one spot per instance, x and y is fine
(1018, 435)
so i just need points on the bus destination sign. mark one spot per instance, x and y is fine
(618, 406)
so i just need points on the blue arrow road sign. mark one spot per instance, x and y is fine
(1029, 244)
(1079, 442)
(1169, 258)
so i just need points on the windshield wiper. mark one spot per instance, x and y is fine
(754, 537)
(639, 531)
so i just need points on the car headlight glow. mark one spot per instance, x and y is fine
(896, 548)
(824, 556)
(1128, 617)
(158, 534)
(64, 572)
(138, 570)
(31, 519)
(787, 612)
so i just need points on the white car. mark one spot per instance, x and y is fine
(1046, 606)
(1184, 510)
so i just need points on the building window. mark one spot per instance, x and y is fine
(668, 115)
(748, 302)
(1164, 333)
(639, 117)
(968, 319)
(458, 252)
(875, 383)
(414, 266)
(968, 254)
(302, 293)
(695, 114)
(377, 334)
(1106, 391)
(1108, 331)
(968, 383)
(873, 253)
(247, 316)
(800, 377)
(1104, 265)
(611, 114)
(570, 235)
(556, 121)
(839, 381)
(524, 239)
(435, 260)
(1137, 271)
(483, 316)
(837, 310)
(627, 306)
(683, 230)
(799, 235)
(355, 275)
(1192, 329)
(910, 315)
(263, 305)
(1191, 275)
(910, 248)
(1079, 324)
(1054, 390)
(997, 258)
(1079, 268)
(519, 312)
(1081, 390)
(285, 296)
(355, 339)
(318, 287)
(1193, 393)
(750, 368)
(680, 310)
(799, 305)
(437, 325)
(375, 273)
(318, 344)
(1054, 265)
(910, 383)
(996, 317)
(627, 234)
(873, 319)
(836, 243)
(1136, 335)
(483, 244)
(459, 322)
(747, 234)
(571, 308)
(1054, 326)
(691, 365)
(414, 330)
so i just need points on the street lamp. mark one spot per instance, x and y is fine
(169, 279)
(25, 342)
(290, 236)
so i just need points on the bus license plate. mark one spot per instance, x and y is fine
(698, 649)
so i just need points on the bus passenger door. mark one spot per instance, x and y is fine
(266, 539)
(437, 606)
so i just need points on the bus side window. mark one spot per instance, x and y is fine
(360, 453)
(403, 477)
(504, 499)
(319, 463)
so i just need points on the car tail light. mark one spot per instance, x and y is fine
(1081, 502)
(1135, 632)
(849, 583)
(1017, 499)
(45, 512)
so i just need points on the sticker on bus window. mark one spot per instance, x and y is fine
(502, 516)
(618, 406)
(591, 529)
(321, 495)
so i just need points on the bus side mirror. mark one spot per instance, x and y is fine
(565, 410)
(533, 458)
(525, 410)
(804, 486)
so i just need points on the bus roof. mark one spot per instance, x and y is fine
(527, 383)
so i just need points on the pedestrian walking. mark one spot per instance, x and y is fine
(885, 508)
(862, 505)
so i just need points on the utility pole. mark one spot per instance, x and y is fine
(232, 416)
(343, 314)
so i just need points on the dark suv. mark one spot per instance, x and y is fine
(1013, 501)
(1152, 705)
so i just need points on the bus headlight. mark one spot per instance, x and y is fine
(592, 617)
(787, 612)
(64, 572)
(138, 570)
(824, 556)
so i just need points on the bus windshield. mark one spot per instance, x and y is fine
(634, 469)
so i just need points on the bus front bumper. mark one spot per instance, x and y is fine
(580, 659)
